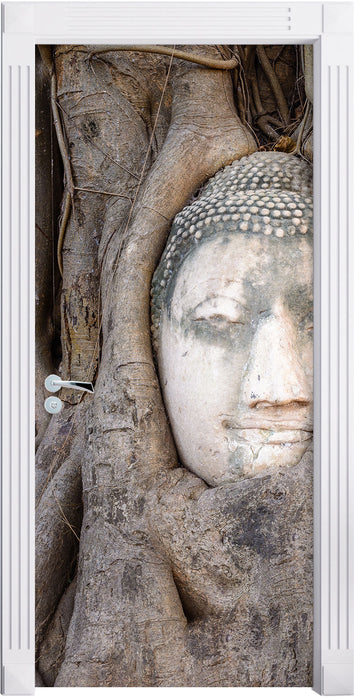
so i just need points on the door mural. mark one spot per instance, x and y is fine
(174, 322)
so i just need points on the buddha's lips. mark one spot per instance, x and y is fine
(271, 437)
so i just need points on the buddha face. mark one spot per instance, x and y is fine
(235, 355)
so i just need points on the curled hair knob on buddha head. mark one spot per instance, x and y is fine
(266, 194)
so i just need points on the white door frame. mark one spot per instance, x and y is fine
(329, 26)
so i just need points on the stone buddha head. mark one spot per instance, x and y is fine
(232, 320)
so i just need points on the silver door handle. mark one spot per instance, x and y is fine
(54, 383)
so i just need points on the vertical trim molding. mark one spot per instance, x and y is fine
(334, 308)
(17, 372)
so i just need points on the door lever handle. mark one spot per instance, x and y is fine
(54, 383)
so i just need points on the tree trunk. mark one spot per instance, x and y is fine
(145, 575)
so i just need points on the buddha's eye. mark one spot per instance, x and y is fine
(220, 311)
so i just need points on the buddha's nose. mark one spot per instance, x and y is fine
(274, 375)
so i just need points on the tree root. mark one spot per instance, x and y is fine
(69, 182)
(56, 445)
(207, 62)
(131, 440)
(261, 118)
(39, 683)
(58, 521)
(51, 653)
(300, 136)
(274, 83)
(62, 229)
